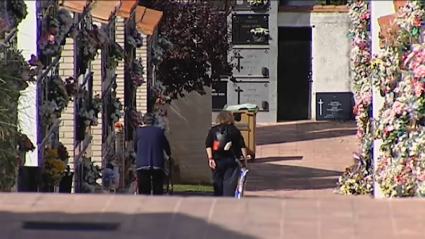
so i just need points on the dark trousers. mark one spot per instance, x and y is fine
(151, 180)
(225, 177)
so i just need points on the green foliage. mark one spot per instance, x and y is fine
(12, 65)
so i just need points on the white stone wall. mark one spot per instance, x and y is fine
(330, 49)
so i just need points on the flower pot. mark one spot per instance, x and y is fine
(259, 38)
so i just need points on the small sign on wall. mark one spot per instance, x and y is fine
(334, 105)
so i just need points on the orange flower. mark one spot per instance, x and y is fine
(118, 125)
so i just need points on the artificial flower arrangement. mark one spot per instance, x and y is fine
(58, 28)
(116, 108)
(24, 143)
(90, 174)
(158, 97)
(258, 3)
(59, 94)
(115, 55)
(134, 39)
(89, 112)
(159, 49)
(260, 34)
(137, 72)
(54, 166)
(90, 41)
(400, 69)
(357, 178)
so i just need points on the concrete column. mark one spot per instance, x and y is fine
(28, 105)
(378, 9)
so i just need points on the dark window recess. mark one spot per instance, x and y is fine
(219, 95)
(242, 26)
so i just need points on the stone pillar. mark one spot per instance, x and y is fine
(96, 131)
(378, 9)
(66, 128)
(142, 91)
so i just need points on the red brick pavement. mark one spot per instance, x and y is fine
(301, 159)
(135, 217)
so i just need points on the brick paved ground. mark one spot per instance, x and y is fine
(292, 180)
(34, 216)
(301, 159)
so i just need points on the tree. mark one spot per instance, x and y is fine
(199, 33)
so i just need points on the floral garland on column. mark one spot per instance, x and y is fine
(357, 177)
(399, 72)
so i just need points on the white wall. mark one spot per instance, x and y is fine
(330, 49)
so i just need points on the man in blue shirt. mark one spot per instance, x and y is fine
(150, 143)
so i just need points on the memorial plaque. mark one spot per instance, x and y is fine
(334, 106)
(250, 62)
(251, 92)
(219, 95)
(243, 24)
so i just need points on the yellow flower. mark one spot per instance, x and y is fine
(51, 153)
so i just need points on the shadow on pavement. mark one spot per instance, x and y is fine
(109, 226)
(303, 131)
(265, 176)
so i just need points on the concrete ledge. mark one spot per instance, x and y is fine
(317, 8)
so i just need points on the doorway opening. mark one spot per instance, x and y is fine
(294, 76)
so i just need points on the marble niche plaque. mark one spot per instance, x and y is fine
(250, 62)
(251, 92)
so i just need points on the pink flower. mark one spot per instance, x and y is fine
(419, 72)
(419, 88)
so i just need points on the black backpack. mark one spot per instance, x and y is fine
(221, 139)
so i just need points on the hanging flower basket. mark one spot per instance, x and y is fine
(89, 113)
(115, 55)
(90, 174)
(90, 41)
(54, 37)
(134, 39)
(116, 108)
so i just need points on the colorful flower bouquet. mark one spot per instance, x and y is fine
(357, 178)
(137, 73)
(89, 113)
(90, 173)
(58, 27)
(53, 167)
(116, 108)
(115, 55)
(399, 71)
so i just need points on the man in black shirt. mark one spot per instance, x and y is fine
(225, 146)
